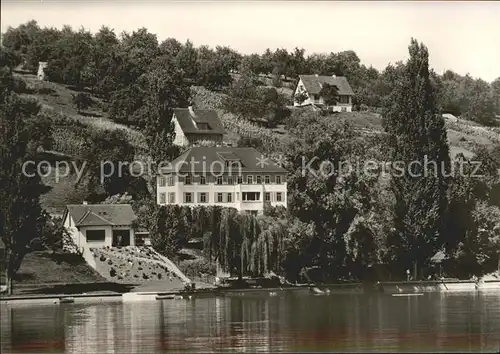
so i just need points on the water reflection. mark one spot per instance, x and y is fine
(258, 322)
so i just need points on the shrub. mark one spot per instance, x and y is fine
(194, 268)
(112, 272)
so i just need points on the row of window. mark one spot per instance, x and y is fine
(250, 179)
(203, 197)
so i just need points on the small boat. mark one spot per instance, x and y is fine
(273, 293)
(409, 294)
(164, 297)
(316, 290)
(64, 300)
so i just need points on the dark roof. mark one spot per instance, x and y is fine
(313, 84)
(101, 214)
(185, 119)
(196, 159)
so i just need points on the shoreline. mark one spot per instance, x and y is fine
(410, 287)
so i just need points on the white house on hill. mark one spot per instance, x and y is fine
(193, 126)
(240, 178)
(100, 225)
(311, 85)
(41, 73)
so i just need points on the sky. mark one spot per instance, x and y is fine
(461, 36)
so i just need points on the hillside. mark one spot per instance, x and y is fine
(463, 136)
(56, 100)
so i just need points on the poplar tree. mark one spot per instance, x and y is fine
(21, 216)
(418, 140)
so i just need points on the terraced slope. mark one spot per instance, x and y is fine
(137, 265)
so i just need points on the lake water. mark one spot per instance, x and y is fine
(291, 321)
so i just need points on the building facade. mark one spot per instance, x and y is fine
(311, 86)
(224, 176)
(41, 73)
(195, 126)
(100, 225)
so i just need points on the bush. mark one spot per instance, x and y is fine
(20, 86)
(247, 141)
(194, 268)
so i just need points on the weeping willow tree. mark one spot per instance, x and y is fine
(268, 248)
(211, 238)
(250, 231)
(230, 240)
(242, 243)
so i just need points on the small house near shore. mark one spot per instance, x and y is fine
(100, 225)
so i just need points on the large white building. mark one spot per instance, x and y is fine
(311, 86)
(240, 178)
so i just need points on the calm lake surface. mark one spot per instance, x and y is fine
(249, 322)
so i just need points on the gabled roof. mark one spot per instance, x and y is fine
(100, 214)
(185, 118)
(208, 160)
(313, 84)
(449, 116)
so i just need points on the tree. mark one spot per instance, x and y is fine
(19, 39)
(417, 137)
(324, 194)
(169, 229)
(245, 98)
(281, 63)
(187, 60)
(9, 58)
(329, 94)
(106, 153)
(300, 97)
(481, 104)
(21, 133)
(165, 90)
(213, 70)
(495, 87)
(230, 57)
(82, 101)
(250, 64)
(140, 48)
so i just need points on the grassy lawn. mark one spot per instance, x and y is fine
(40, 268)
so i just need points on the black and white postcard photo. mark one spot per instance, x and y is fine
(216, 176)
